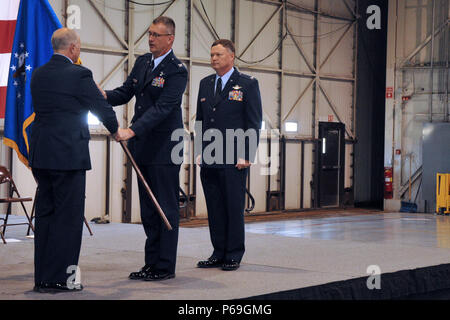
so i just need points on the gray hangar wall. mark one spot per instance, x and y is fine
(303, 52)
(418, 74)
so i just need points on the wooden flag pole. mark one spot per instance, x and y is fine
(147, 188)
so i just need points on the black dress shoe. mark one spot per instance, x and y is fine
(44, 287)
(159, 275)
(210, 263)
(141, 274)
(230, 265)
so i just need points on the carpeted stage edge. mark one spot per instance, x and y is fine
(423, 283)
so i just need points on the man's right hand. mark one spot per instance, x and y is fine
(102, 91)
(198, 160)
(123, 134)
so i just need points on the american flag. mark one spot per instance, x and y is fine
(8, 16)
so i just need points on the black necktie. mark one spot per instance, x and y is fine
(218, 87)
(150, 69)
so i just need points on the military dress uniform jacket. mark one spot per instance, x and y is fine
(62, 94)
(237, 108)
(157, 110)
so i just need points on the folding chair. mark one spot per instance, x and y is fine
(5, 177)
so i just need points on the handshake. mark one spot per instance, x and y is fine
(121, 134)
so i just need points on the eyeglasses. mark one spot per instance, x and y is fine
(157, 35)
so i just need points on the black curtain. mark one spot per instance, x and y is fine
(370, 107)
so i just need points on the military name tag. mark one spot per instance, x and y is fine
(158, 82)
(235, 95)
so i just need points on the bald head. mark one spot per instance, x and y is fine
(67, 42)
(63, 38)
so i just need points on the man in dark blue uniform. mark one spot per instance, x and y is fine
(228, 110)
(158, 80)
(62, 93)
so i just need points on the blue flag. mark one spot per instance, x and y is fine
(32, 48)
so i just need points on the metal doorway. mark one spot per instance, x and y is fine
(330, 164)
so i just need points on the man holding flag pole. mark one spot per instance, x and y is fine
(47, 104)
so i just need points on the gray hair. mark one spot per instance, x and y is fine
(168, 22)
(63, 38)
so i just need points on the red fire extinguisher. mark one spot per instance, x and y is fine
(388, 189)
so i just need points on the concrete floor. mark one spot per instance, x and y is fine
(280, 255)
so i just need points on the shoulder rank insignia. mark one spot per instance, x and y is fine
(158, 82)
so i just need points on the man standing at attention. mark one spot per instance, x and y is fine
(158, 81)
(62, 93)
(229, 105)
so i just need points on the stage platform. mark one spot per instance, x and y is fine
(303, 257)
